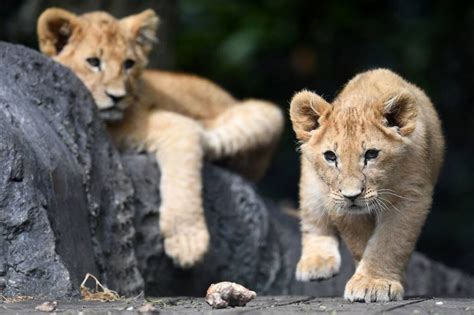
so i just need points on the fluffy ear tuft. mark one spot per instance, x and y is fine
(306, 110)
(400, 112)
(142, 28)
(55, 27)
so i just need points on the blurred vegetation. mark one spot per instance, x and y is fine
(272, 48)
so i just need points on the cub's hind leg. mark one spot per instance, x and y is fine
(245, 136)
(177, 143)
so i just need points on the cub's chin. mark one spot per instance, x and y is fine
(111, 114)
(355, 209)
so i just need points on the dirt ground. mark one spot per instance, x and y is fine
(261, 305)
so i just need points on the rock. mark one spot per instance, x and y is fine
(224, 294)
(147, 308)
(64, 199)
(70, 205)
(48, 306)
(244, 246)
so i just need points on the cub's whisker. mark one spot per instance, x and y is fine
(391, 192)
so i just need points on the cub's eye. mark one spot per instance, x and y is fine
(93, 62)
(128, 64)
(371, 154)
(330, 156)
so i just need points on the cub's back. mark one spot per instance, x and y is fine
(187, 94)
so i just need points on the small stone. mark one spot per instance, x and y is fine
(439, 303)
(226, 293)
(48, 307)
(216, 301)
(147, 308)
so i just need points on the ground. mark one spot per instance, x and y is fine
(261, 305)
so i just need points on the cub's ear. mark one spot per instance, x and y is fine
(400, 112)
(142, 28)
(55, 27)
(306, 109)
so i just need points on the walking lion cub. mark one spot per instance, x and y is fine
(370, 161)
(179, 118)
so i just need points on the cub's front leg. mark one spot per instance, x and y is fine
(380, 273)
(177, 143)
(320, 257)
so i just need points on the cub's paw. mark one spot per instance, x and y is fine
(318, 267)
(362, 288)
(187, 248)
(187, 244)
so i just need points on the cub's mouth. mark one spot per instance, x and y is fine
(111, 114)
(356, 209)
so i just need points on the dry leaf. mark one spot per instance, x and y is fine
(49, 306)
(226, 293)
(15, 299)
(100, 293)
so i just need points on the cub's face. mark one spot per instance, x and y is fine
(354, 147)
(107, 54)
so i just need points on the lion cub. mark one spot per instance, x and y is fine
(179, 118)
(369, 161)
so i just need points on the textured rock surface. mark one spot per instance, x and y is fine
(245, 246)
(64, 200)
(69, 205)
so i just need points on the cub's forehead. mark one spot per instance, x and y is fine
(102, 24)
(356, 110)
(350, 117)
(99, 18)
(102, 31)
(353, 122)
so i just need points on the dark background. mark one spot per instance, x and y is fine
(272, 48)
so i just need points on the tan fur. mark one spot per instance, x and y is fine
(391, 193)
(180, 118)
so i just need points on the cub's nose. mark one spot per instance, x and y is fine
(115, 97)
(351, 194)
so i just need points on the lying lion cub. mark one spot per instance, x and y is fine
(180, 118)
(370, 161)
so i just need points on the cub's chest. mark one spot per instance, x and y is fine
(132, 130)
